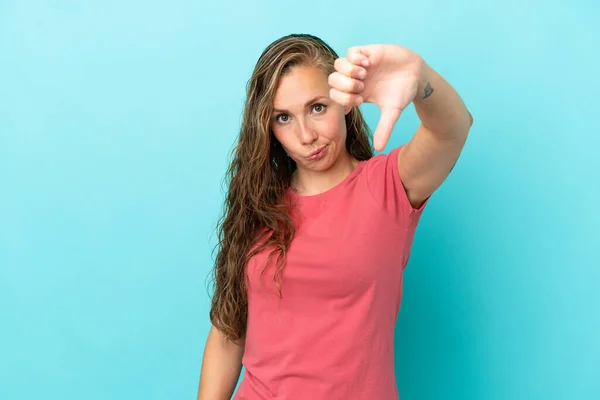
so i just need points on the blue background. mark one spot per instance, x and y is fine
(116, 121)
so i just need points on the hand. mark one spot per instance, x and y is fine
(384, 74)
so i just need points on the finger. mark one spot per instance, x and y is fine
(358, 55)
(386, 123)
(345, 99)
(344, 66)
(345, 84)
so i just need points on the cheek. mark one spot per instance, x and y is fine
(335, 128)
(282, 138)
(289, 143)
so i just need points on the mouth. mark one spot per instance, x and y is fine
(316, 153)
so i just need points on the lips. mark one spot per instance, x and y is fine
(316, 152)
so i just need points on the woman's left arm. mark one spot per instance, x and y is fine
(393, 76)
(427, 159)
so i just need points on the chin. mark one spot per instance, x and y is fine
(323, 165)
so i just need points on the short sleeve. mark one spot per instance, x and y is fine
(385, 184)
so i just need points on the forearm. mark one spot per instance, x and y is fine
(221, 367)
(440, 108)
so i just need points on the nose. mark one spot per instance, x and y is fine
(307, 134)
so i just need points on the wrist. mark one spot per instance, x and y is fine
(424, 89)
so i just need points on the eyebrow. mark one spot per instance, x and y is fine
(308, 103)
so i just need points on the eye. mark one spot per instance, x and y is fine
(282, 118)
(319, 108)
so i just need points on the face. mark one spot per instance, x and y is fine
(308, 124)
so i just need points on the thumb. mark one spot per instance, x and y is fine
(386, 123)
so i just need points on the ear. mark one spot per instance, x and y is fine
(347, 109)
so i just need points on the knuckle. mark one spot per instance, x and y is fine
(359, 73)
(353, 50)
(331, 79)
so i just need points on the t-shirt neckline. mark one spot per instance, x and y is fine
(331, 190)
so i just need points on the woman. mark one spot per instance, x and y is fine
(317, 230)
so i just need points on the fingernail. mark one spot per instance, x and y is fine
(362, 74)
(365, 63)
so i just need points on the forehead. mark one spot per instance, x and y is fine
(299, 85)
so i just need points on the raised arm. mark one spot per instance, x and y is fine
(392, 76)
(427, 159)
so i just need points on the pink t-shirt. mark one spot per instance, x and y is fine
(331, 336)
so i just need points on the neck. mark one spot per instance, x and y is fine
(309, 183)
